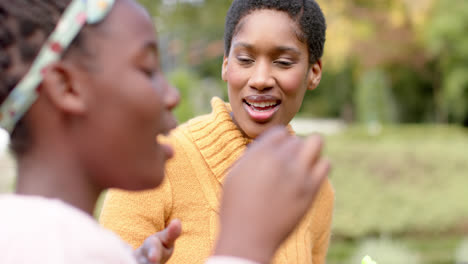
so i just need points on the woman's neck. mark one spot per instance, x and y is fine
(53, 172)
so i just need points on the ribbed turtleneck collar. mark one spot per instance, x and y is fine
(218, 138)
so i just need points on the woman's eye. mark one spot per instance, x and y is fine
(149, 72)
(284, 63)
(244, 60)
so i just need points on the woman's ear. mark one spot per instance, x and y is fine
(315, 75)
(62, 88)
(224, 68)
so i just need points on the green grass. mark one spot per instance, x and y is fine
(406, 182)
(430, 249)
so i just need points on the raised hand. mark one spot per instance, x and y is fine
(158, 248)
(267, 193)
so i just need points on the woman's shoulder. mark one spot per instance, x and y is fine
(50, 216)
(22, 206)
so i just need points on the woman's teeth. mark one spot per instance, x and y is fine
(262, 104)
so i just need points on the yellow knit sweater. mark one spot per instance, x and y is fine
(205, 147)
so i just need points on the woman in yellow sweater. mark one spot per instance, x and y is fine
(273, 55)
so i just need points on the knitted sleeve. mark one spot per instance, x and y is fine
(136, 215)
(323, 219)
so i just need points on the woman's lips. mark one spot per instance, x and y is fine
(261, 108)
(167, 149)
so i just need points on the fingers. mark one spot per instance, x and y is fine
(272, 136)
(279, 141)
(169, 235)
(159, 247)
(150, 252)
(289, 147)
(317, 175)
(314, 168)
(155, 254)
(310, 151)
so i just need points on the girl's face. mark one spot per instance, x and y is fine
(267, 71)
(129, 102)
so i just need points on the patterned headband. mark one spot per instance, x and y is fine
(77, 14)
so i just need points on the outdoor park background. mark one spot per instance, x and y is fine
(393, 106)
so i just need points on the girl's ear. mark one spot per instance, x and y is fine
(62, 88)
(315, 75)
(224, 68)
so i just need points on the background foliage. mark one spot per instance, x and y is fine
(409, 55)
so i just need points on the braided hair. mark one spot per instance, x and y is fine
(24, 27)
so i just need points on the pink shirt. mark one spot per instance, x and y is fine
(39, 230)
(228, 260)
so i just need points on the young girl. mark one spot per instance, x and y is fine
(272, 57)
(78, 79)
(65, 109)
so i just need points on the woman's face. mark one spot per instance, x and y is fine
(267, 71)
(130, 102)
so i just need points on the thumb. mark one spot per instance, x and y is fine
(169, 235)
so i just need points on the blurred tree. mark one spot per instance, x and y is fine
(374, 99)
(446, 40)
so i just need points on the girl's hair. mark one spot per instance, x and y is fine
(306, 13)
(24, 27)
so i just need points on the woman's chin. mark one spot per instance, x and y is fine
(255, 130)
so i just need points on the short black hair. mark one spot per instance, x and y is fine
(24, 27)
(307, 14)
